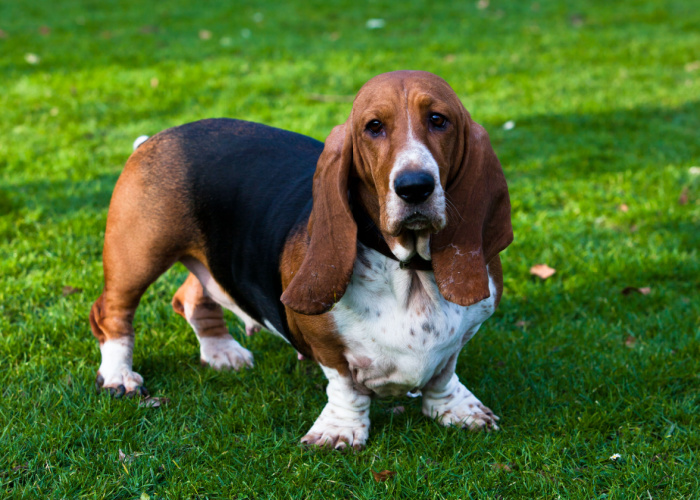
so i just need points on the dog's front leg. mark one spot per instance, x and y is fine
(344, 422)
(447, 400)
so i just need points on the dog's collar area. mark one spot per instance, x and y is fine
(370, 236)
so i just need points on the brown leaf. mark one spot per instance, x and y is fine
(397, 410)
(623, 207)
(504, 467)
(450, 58)
(542, 271)
(148, 29)
(44, 30)
(3, 34)
(382, 476)
(69, 290)
(645, 290)
(154, 402)
(630, 341)
(683, 198)
(577, 20)
(692, 66)
(123, 457)
(522, 323)
(204, 34)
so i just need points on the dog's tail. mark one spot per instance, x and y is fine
(140, 140)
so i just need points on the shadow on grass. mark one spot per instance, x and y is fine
(585, 145)
(577, 146)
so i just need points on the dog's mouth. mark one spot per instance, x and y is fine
(416, 222)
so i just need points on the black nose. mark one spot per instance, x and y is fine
(414, 187)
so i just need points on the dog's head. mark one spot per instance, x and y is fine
(426, 175)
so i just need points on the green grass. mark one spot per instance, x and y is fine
(606, 100)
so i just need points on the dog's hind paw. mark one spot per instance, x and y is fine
(224, 353)
(123, 382)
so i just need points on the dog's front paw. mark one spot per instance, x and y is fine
(121, 382)
(339, 428)
(456, 405)
(474, 416)
(224, 353)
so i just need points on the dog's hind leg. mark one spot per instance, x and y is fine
(127, 276)
(218, 349)
(146, 233)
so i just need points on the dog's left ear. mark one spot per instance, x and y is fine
(478, 228)
(326, 270)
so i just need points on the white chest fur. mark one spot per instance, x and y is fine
(398, 330)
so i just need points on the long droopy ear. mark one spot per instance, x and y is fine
(479, 227)
(326, 270)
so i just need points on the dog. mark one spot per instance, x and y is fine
(375, 254)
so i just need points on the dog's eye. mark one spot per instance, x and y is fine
(375, 127)
(438, 120)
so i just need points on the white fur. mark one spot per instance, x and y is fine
(453, 404)
(397, 340)
(140, 140)
(414, 155)
(116, 364)
(345, 419)
(218, 295)
(224, 352)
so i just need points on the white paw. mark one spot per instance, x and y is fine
(459, 407)
(224, 353)
(121, 381)
(251, 330)
(474, 416)
(339, 428)
(115, 374)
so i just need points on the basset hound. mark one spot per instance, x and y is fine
(374, 254)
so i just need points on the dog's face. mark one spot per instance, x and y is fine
(406, 130)
(426, 175)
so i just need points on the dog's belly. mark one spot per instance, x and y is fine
(398, 330)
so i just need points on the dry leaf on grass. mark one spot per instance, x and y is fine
(692, 66)
(123, 457)
(577, 20)
(504, 467)
(630, 341)
(542, 271)
(69, 290)
(522, 323)
(154, 402)
(683, 198)
(623, 207)
(396, 410)
(382, 476)
(645, 290)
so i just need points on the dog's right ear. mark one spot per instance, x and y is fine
(326, 270)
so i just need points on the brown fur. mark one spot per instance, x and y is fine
(208, 315)
(149, 231)
(478, 226)
(314, 336)
(146, 234)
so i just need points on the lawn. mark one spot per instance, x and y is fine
(603, 164)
